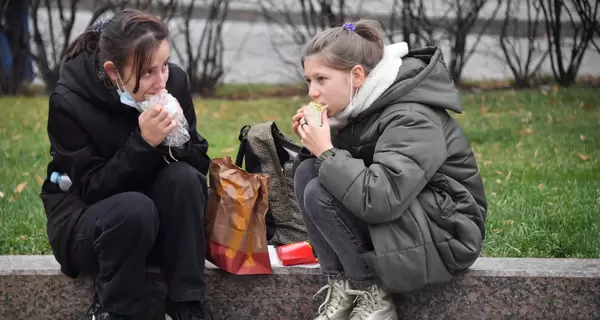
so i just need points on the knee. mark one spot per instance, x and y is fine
(304, 173)
(182, 173)
(316, 197)
(135, 213)
(306, 168)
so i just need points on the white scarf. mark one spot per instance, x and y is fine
(380, 79)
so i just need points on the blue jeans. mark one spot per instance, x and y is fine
(338, 237)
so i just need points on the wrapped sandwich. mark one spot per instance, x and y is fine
(180, 134)
(315, 112)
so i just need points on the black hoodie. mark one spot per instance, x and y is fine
(95, 139)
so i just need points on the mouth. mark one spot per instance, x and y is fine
(148, 95)
(318, 106)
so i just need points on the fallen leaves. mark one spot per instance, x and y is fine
(585, 106)
(583, 157)
(21, 187)
(39, 180)
(508, 222)
(526, 131)
(582, 137)
(2, 195)
(550, 120)
(541, 186)
(484, 110)
(535, 154)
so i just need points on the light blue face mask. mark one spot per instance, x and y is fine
(127, 99)
(125, 96)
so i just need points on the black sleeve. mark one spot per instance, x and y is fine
(95, 177)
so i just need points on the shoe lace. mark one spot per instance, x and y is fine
(366, 302)
(333, 299)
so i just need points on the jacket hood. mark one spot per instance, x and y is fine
(422, 78)
(84, 76)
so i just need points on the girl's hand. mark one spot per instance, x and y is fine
(296, 120)
(314, 138)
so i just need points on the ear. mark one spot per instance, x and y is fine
(111, 70)
(358, 76)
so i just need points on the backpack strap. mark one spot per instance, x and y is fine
(243, 137)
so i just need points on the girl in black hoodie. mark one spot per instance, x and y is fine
(133, 201)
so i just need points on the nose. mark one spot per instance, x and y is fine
(162, 80)
(313, 92)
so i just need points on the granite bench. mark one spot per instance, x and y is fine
(32, 287)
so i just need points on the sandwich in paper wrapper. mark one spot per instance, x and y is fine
(316, 110)
(180, 134)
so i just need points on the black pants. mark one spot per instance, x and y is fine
(116, 239)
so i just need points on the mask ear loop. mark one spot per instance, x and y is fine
(121, 84)
(352, 94)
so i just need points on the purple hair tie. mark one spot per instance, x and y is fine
(349, 26)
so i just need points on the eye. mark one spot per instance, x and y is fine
(320, 79)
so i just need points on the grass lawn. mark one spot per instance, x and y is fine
(538, 152)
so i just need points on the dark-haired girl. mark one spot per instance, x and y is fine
(132, 200)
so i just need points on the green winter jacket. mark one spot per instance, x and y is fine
(404, 166)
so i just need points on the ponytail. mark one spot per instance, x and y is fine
(370, 30)
(85, 42)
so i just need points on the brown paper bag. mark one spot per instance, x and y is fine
(235, 219)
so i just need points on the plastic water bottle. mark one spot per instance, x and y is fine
(63, 180)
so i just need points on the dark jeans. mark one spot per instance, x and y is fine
(338, 237)
(117, 238)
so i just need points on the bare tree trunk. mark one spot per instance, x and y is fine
(524, 62)
(590, 17)
(466, 15)
(410, 19)
(292, 29)
(565, 69)
(204, 60)
(48, 59)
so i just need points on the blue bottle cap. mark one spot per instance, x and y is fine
(54, 177)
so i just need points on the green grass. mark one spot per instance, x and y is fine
(538, 152)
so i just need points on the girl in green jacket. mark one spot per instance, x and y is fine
(387, 184)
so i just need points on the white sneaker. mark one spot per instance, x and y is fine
(338, 303)
(373, 304)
